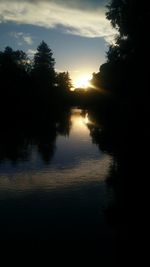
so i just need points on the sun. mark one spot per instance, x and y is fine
(83, 81)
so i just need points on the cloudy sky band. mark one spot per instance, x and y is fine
(83, 22)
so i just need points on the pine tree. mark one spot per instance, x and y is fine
(43, 66)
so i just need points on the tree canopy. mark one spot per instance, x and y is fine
(126, 58)
(43, 66)
(63, 81)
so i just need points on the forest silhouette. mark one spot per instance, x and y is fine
(31, 88)
(125, 127)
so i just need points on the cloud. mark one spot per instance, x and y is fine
(31, 52)
(87, 22)
(22, 37)
(28, 40)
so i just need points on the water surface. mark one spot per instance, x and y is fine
(53, 184)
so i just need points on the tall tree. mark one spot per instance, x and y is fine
(43, 66)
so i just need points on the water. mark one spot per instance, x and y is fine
(53, 182)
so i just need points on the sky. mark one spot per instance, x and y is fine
(76, 31)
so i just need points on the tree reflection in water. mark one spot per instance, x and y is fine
(18, 138)
(127, 141)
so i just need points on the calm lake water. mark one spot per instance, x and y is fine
(53, 185)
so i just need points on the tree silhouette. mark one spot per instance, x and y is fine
(13, 62)
(43, 66)
(14, 80)
(63, 81)
(32, 87)
(126, 59)
(129, 16)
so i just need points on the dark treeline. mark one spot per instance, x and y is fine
(31, 87)
(124, 131)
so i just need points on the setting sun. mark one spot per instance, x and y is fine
(83, 81)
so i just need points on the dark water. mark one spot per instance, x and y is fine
(53, 185)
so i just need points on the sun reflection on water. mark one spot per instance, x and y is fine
(80, 122)
(86, 119)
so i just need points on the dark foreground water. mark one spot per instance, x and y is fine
(53, 185)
